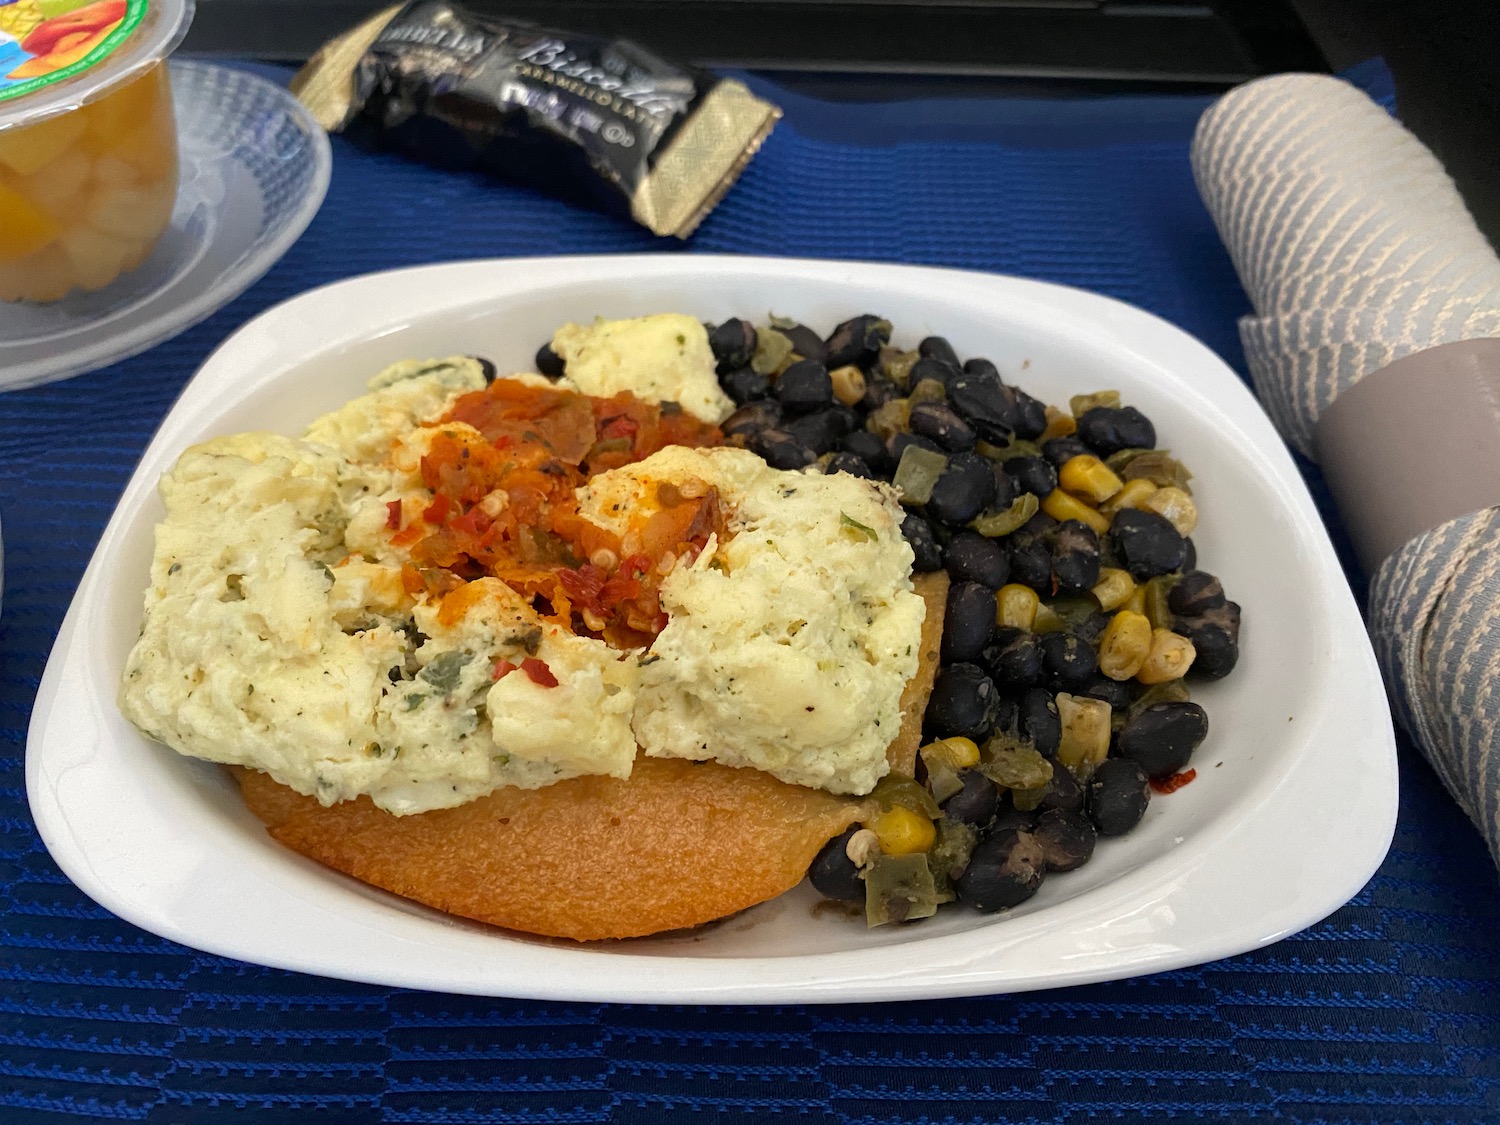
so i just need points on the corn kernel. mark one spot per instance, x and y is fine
(1089, 478)
(1131, 495)
(1124, 646)
(1060, 506)
(958, 752)
(848, 384)
(1085, 733)
(1113, 588)
(1136, 603)
(1170, 657)
(1016, 606)
(1175, 506)
(1059, 424)
(903, 831)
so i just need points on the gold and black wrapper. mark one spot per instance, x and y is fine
(598, 121)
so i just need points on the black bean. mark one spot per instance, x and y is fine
(1031, 416)
(733, 344)
(1108, 429)
(1190, 560)
(819, 431)
(1119, 695)
(970, 557)
(1060, 450)
(848, 417)
(1038, 526)
(868, 448)
(1008, 715)
(1067, 839)
(924, 545)
(1148, 544)
(1090, 627)
(1040, 721)
(745, 384)
(964, 702)
(936, 347)
(1117, 796)
(486, 368)
(963, 490)
(751, 418)
(781, 450)
(1162, 737)
(1005, 870)
(805, 342)
(900, 442)
(934, 369)
(979, 398)
(833, 874)
(1033, 474)
(1216, 650)
(981, 366)
(1064, 792)
(1215, 635)
(939, 422)
(1030, 562)
(1196, 592)
(857, 341)
(1006, 489)
(968, 622)
(1069, 661)
(849, 463)
(976, 803)
(1014, 657)
(1075, 557)
(804, 386)
(1020, 820)
(878, 392)
(549, 363)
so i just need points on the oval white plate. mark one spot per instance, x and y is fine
(255, 168)
(1292, 811)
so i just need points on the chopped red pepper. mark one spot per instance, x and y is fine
(539, 672)
(437, 511)
(503, 668)
(393, 515)
(619, 426)
(1171, 784)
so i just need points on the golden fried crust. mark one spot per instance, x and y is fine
(676, 845)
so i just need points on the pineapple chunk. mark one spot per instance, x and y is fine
(135, 214)
(27, 150)
(97, 258)
(24, 227)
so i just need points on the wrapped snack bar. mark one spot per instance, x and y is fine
(602, 122)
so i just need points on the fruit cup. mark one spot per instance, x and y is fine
(88, 146)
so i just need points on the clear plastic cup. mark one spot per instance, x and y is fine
(88, 144)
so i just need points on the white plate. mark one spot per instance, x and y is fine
(1293, 808)
(254, 170)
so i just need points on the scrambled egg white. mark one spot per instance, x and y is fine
(662, 358)
(279, 634)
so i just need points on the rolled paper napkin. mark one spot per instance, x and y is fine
(1367, 273)
(1352, 242)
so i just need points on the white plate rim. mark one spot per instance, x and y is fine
(245, 271)
(1199, 915)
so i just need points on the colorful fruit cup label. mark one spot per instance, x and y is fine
(43, 42)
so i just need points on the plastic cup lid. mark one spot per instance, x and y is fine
(124, 38)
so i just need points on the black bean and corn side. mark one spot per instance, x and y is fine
(1076, 616)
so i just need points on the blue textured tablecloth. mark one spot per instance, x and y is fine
(1389, 1011)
